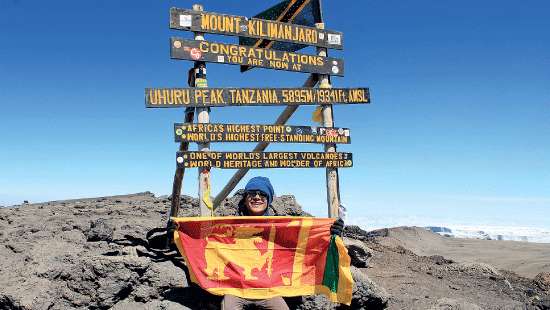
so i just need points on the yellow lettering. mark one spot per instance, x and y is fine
(205, 21)
(242, 51)
(288, 31)
(252, 27)
(233, 50)
(228, 24)
(251, 53)
(237, 24)
(224, 49)
(246, 96)
(272, 30)
(152, 97)
(177, 96)
(319, 61)
(301, 35)
(285, 57)
(214, 48)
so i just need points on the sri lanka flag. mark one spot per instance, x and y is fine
(267, 256)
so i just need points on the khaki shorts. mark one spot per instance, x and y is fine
(231, 302)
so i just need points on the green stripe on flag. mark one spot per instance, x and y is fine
(330, 276)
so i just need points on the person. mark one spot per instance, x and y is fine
(257, 199)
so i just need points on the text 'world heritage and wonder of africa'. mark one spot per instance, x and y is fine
(238, 160)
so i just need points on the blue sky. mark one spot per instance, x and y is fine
(459, 126)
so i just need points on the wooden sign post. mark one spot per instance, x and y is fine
(333, 184)
(203, 117)
(178, 175)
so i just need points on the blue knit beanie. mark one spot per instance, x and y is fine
(261, 184)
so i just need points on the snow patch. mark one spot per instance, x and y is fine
(459, 230)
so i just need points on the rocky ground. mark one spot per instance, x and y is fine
(435, 282)
(94, 254)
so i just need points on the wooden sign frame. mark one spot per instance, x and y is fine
(261, 160)
(232, 25)
(220, 97)
(217, 52)
(211, 132)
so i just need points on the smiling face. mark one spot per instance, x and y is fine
(256, 203)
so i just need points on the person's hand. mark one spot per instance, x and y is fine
(337, 227)
(171, 227)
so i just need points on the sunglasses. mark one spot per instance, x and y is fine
(254, 193)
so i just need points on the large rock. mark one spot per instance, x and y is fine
(453, 304)
(544, 303)
(189, 205)
(358, 252)
(103, 281)
(152, 305)
(229, 206)
(366, 295)
(478, 269)
(100, 230)
(355, 232)
(543, 280)
(7, 302)
(287, 205)
(313, 303)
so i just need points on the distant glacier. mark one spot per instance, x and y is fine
(529, 234)
(458, 230)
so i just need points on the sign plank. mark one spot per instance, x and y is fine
(192, 132)
(237, 160)
(220, 97)
(253, 56)
(232, 25)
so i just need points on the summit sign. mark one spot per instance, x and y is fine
(259, 160)
(275, 38)
(191, 132)
(252, 56)
(232, 25)
(220, 97)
